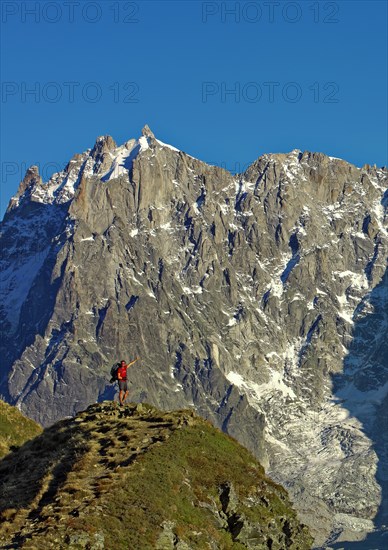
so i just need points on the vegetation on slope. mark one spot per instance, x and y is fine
(137, 478)
(15, 429)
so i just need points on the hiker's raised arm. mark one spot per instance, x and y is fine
(134, 361)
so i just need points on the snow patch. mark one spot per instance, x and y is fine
(196, 290)
(255, 392)
(167, 145)
(16, 282)
(144, 145)
(122, 162)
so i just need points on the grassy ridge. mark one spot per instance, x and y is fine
(15, 428)
(137, 478)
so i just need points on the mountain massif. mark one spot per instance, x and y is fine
(258, 299)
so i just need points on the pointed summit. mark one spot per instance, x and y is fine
(102, 145)
(31, 173)
(31, 177)
(147, 132)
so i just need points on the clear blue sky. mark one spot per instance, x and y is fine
(225, 86)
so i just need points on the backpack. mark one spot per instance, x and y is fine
(113, 372)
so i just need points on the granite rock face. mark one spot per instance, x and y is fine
(259, 299)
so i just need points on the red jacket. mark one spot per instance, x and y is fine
(122, 372)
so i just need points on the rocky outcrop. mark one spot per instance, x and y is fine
(251, 298)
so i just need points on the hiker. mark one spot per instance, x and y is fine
(122, 380)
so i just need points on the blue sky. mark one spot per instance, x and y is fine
(223, 81)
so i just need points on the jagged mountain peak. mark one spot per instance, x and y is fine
(32, 171)
(147, 132)
(102, 145)
(300, 157)
(31, 180)
(105, 161)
